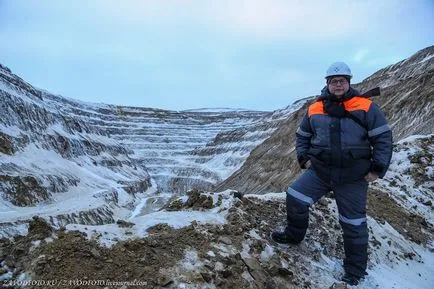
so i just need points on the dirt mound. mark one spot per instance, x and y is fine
(196, 200)
(165, 257)
(39, 228)
(74, 257)
(238, 254)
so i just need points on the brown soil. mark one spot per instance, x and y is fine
(23, 190)
(155, 260)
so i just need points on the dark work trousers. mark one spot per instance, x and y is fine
(351, 202)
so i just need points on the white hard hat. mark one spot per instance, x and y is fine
(338, 68)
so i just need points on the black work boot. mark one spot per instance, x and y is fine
(283, 237)
(351, 279)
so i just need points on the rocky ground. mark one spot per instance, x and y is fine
(238, 254)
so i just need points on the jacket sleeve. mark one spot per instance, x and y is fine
(303, 137)
(380, 136)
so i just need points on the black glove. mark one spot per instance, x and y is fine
(377, 168)
(302, 160)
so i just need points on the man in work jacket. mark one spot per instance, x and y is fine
(345, 142)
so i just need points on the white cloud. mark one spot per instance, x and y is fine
(361, 54)
(304, 20)
(279, 18)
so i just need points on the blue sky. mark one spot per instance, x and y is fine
(181, 54)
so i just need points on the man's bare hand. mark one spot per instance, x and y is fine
(370, 177)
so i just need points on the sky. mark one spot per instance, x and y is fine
(189, 54)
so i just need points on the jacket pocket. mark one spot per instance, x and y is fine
(319, 156)
(357, 154)
(314, 152)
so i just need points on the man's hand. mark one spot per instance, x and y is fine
(307, 165)
(370, 177)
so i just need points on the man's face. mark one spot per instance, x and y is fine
(338, 85)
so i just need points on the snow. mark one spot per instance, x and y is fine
(254, 235)
(6, 276)
(407, 274)
(268, 196)
(111, 233)
(223, 109)
(267, 253)
(34, 244)
(246, 275)
(246, 249)
(7, 87)
(426, 58)
(191, 261)
(10, 130)
(94, 183)
(144, 201)
(177, 219)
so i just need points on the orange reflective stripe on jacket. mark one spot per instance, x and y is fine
(316, 108)
(355, 103)
(358, 103)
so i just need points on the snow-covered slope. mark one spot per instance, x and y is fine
(407, 93)
(57, 151)
(56, 164)
(410, 178)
